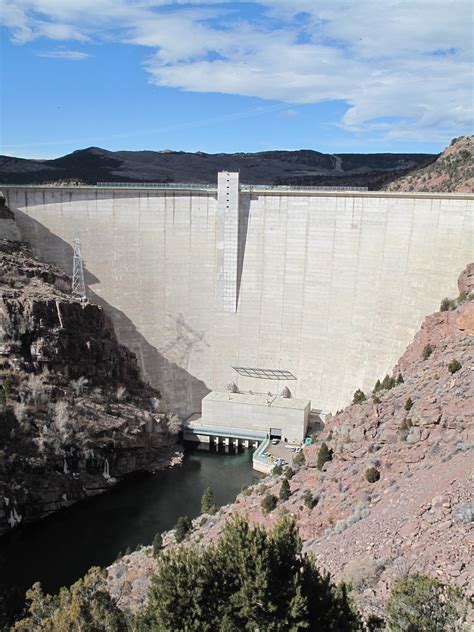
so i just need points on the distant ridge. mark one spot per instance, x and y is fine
(303, 167)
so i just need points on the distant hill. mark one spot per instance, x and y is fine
(303, 167)
(453, 170)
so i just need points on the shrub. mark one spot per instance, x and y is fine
(408, 404)
(299, 458)
(285, 491)
(208, 505)
(372, 474)
(277, 470)
(269, 503)
(446, 305)
(363, 572)
(465, 513)
(358, 397)
(182, 528)
(376, 399)
(454, 366)
(360, 511)
(400, 379)
(250, 579)
(157, 544)
(377, 386)
(427, 351)
(289, 472)
(418, 602)
(324, 455)
(406, 424)
(246, 491)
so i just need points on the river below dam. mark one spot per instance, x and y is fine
(62, 547)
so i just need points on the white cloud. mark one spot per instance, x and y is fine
(403, 68)
(73, 55)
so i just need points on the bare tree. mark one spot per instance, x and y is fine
(174, 424)
(41, 441)
(35, 386)
(155, 403)
(121, 393)
(79, 384)
(61, 418)
(20, 411)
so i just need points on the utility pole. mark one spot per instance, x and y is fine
(78, 284)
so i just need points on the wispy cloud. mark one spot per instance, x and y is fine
(74, 55)
(290, 113)
(381, 59)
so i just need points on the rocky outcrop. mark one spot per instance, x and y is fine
(417, 513)
(452, 171)
(8, 227)
(75, 416)
(466, 280)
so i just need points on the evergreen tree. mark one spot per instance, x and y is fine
(248, 580)
(358, 397)
(87, 605)
(157, 544)
(324, 455)
(388, 382)
(182, 528)
(208, 505)
(427, 351)
(285, 491)
(269, 503)
(308, 499)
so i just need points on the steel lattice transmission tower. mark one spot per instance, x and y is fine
(78, 283)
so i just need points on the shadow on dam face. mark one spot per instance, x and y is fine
(173, 382)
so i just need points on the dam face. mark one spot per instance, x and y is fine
(330, 286)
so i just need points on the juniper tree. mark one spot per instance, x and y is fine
(324, 455)
(250, 579)
(285, 491)
(208, 505)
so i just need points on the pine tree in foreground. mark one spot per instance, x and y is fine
(250, 579)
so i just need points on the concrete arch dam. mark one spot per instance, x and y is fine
(330, 286)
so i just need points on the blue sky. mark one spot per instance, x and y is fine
(331, 75)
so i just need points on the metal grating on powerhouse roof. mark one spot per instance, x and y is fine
(265, 374)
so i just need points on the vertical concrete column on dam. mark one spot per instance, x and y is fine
(227, 240)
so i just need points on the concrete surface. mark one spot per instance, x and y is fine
(257, 412)
(330, 286)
